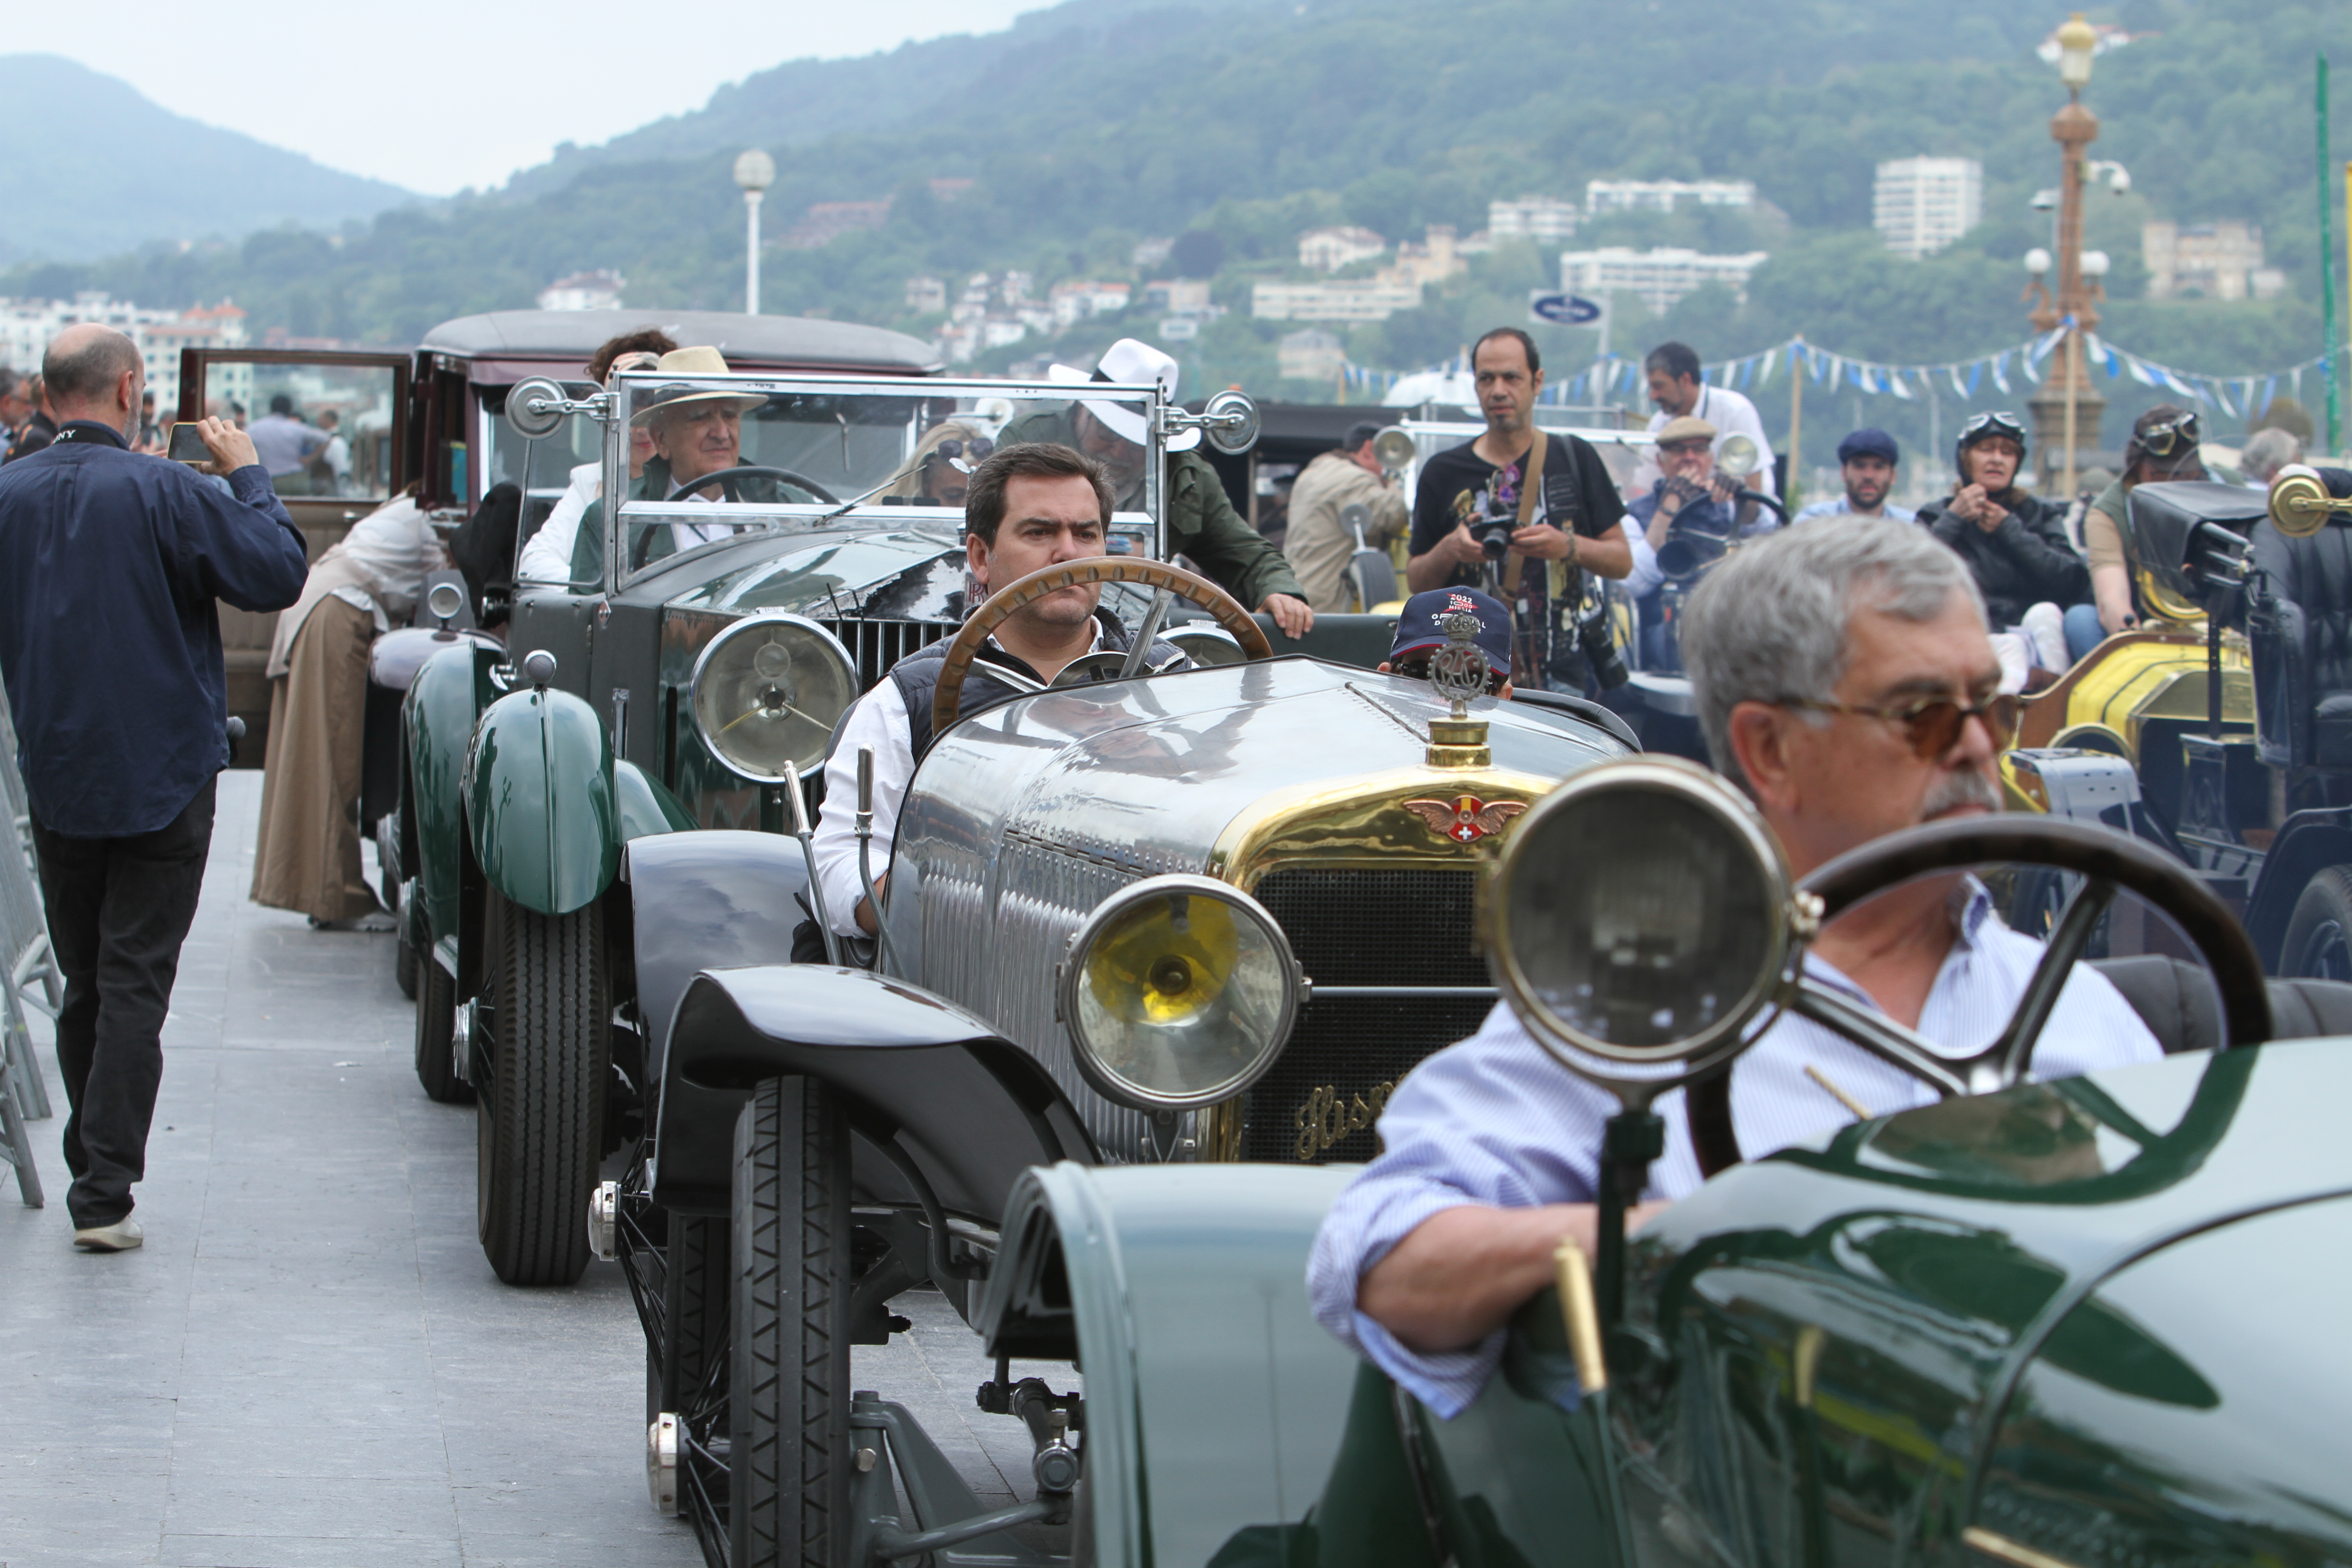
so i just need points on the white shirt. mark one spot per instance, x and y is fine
(1495, 1120)
(395, 546)
(547, 554)
(878, 719)
(1727, 411)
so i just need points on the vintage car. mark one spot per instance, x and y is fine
(1206, 917)
(1855, 1347)
(686, 674)
(2250, 785)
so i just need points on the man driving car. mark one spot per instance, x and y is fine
(1030, 506)
(694, 432)
(1201, 521)
(1845, 680)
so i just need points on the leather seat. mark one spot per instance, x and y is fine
(2176, 1000)
(2302, 637)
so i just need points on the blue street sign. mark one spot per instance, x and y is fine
(1562, 310)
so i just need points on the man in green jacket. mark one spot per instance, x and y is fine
(1201, 522)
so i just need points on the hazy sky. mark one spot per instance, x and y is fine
(437, 95)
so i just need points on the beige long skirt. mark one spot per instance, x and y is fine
(307, 855)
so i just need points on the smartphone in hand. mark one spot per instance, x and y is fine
(188, 443)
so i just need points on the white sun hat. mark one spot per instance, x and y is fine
(1128, 363)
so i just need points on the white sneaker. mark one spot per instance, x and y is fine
(2046, 625)
(121, 1236)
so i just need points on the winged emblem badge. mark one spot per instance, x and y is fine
(1466, 818)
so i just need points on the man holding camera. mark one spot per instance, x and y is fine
(1321, 544)
(1523, 513)
(1689, 496)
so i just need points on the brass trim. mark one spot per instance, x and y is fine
(1220, 1125)
(1580, 1316)
(1811, 1338)
(1455, 743)
(1363, 823)
(2008, 1551)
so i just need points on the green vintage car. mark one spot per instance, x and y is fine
(2048, 1326)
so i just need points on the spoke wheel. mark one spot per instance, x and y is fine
(541, 1122)
(789, 1405)
(437, 1012)
(2318, 944)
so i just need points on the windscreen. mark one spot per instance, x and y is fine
(713, 459)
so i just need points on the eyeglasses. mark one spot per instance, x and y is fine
(1932, 724)
(1984, 427)
(1684, 449)
(2169, 437)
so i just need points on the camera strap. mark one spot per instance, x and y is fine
(1531, 499)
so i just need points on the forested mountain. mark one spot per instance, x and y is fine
(89, 167)
(1094, 124)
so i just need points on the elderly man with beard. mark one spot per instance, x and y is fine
(1845, 680)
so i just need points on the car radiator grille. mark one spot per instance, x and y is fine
(875, 646)
(1345, 1053)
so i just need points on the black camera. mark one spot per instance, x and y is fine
(1494, 535)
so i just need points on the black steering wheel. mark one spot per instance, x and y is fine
(754, 471)
(2107, 861)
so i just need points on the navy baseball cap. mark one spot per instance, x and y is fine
(1418, 628)
(1868, 444)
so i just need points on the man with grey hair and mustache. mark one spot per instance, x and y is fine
(1846, 683)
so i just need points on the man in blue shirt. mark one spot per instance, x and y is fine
(284, 446)
(110, 562)
(1866, 462)
(1845, 680)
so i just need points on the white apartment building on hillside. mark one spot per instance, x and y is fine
(26, 326)
(1659, 276)
(1542, 218)
(1665, 195)
(1919, 206)
(1329, 249)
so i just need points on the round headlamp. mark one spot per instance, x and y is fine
(1179, 991)
(1639, 916)
(768, 690)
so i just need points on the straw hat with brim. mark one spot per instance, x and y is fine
(692, 361)
(1128, 362)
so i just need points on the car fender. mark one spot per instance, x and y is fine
(2308, 842)
(541, 805)
(437, 716)
(1217, 1408)
(718, 898)
(971, 1109)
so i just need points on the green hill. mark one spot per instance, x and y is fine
(88, 168)
(1092, 125)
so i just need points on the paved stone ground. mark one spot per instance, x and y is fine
(309, 1364)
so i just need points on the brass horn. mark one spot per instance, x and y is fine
(2300, 504)
(1394, 448)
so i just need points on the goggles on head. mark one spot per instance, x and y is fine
(2172, 439)
(1985, 426)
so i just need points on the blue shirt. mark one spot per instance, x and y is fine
(1497, 1121)
(1838, 505)
(110, 562)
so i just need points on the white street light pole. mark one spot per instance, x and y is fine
(755, 172)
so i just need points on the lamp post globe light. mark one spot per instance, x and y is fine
(2067, 400)
(755, 172)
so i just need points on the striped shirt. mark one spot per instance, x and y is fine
(1497, 1121)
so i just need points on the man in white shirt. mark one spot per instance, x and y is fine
(1676, 388)
(1031, 505)
(1844, 680)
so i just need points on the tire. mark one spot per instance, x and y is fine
(695, 1273)
(788, 1478)
(2318, 944)
(436, 1008)
(540, 1127)
(404, 968)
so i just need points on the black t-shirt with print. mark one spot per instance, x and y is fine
(1458, 485)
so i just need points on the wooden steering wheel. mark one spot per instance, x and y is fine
(1153, 575)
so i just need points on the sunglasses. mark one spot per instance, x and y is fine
(2169, 438)
(1932, 724)
(2000, 422)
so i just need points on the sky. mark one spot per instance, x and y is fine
(503, 82)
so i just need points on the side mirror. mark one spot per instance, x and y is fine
(1230, 421)
(536, 406)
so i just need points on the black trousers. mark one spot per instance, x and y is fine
(119, 910)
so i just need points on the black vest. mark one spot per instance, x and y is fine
(917, 676)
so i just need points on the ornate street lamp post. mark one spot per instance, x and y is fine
(2067, 401)
(755, 172)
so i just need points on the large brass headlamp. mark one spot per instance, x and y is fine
(1179, 991)
(1640, 919)
(768, 690)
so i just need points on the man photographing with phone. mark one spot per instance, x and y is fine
(109, 564)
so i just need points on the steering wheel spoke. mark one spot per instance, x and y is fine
(2014, 1051)
(1879, 1035)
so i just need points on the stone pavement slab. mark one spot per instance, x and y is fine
(309, 1364)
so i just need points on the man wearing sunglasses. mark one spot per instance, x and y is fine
(1844, 680)
(2165, 446)
(2016, 547)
